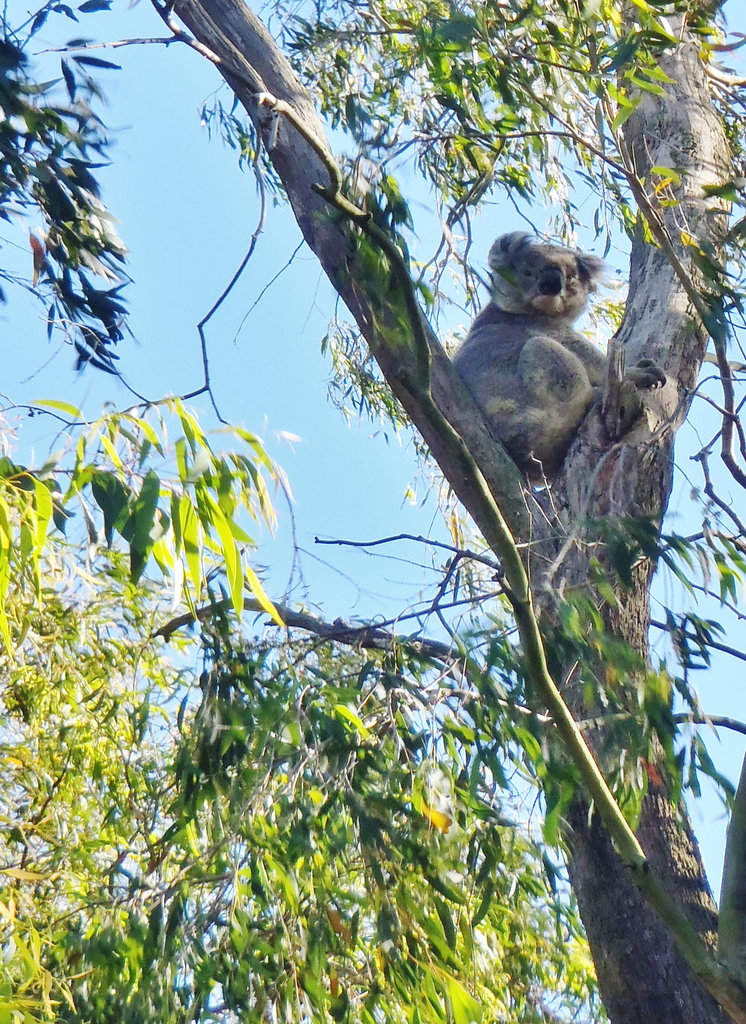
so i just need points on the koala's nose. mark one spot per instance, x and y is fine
(551, 281)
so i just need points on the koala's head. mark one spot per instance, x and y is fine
(532, 277)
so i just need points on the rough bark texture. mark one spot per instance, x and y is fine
(643, 980)
(641, 975)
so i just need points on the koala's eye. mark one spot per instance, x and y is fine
(527, 272)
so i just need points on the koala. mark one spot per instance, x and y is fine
(533, 376)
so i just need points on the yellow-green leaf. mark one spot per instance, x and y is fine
(257, 590)
(343, 711)
(66, 407)
(190, 539)
(44, 509)
(231, 556)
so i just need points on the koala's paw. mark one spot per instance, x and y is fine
(646, 375)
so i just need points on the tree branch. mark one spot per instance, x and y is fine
(248, 54)
(253, 66)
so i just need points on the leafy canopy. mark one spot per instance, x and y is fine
(236, 822)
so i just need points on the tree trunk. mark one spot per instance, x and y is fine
(642, 977)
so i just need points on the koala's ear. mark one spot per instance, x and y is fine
(592, 269)
(508, 245)
(505, 250)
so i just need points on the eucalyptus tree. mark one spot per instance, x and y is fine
(491, 98)
(499, 103)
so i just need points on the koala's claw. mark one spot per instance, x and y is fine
(647, 375)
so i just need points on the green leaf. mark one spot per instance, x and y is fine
(484, 904)
(458, 31)
(190, 541)
(113, 498)
(259, 593)
(346, 713)
(44, 508)
(464, 1007)
(66, 407)
(142, 519)
(96, 62)
(668, 173)
(94, 5)
(231, 556)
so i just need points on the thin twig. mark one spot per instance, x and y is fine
(115, 44)
(714, 644)
(164, 11)
(709, 489)
(266, 288)
(461, 552)
(717, 721)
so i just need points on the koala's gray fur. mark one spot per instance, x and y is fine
(535, 377)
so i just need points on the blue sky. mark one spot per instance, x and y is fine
(186, 213)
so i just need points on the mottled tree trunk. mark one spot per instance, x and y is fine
(642, 977)
(643, 980)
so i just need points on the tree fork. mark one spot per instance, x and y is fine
(667, 319)
(631, 481)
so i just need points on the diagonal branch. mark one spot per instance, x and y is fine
(429, 390)
(253, 66)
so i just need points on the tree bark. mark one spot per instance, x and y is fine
(642, 977)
